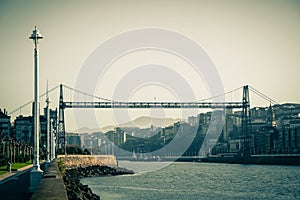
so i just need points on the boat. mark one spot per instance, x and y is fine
(133, 157)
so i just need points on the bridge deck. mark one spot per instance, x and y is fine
(170, 105)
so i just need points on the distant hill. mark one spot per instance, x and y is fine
(140, 122)
(86, 130)
(146, 122)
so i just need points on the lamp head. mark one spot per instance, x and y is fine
(36, 35)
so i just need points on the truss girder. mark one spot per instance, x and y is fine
(146, 105)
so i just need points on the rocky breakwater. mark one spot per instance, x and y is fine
(73, 171)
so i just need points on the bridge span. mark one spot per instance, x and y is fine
(110, 104)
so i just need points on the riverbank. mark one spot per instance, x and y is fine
(266, 159)
(76, 167)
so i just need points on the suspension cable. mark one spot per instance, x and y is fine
(105, 99)
(90, 95)
(263, 95)
(30, 102)
(221, 94)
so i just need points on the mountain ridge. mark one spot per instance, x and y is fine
(140, 122)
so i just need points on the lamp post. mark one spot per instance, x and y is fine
(36, 172)
(48, 126)
(52, 157)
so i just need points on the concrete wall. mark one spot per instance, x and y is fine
(71, 161)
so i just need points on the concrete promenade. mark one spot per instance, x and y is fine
(52, 186)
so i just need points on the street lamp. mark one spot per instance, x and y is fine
(48, 126)
(52, 143)
(36, 173)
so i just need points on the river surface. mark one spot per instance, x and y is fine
(190, 180)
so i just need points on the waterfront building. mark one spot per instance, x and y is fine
(270, 119)
(167, 134)
(86, 140)
(294, 123)
(229, 127)
(218, 149)
(5, 126)
(73, 139)
(234, 146)
(289, 140)
(257, 123)
(23, 126)
(264, 140)
(261, 117)
(43, 135)
(204, 120)
(193, 121)
(117, 137)
(287, 115)
(258, 112)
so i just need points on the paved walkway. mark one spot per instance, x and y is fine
(14, 186)
(6, 176)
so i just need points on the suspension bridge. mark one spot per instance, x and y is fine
(104, 103)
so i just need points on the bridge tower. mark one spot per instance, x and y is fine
(61, 134)
(246, 121)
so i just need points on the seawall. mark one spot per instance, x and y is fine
(73, 161)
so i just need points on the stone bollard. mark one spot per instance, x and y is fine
(8, 167)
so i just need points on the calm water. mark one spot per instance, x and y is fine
(200, 181)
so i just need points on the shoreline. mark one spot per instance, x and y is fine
(256, 160)
(76, 190)
(75, 167)
(251, 160)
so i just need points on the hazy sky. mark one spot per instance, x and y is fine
(250, 42)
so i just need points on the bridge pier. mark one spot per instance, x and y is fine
(61, 133)
(246, 122)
